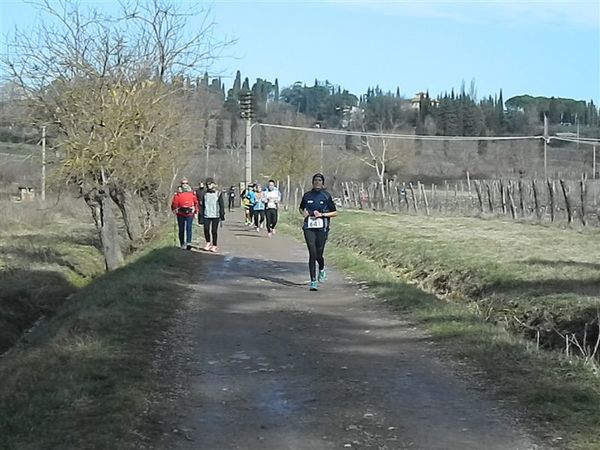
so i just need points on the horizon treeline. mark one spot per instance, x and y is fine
(324, 104)
(453, 113)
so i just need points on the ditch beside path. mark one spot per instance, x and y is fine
(270, 365)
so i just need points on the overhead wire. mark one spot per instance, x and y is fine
(399, 136)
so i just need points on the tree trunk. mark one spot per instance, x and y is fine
(102, 210)
(125, 200)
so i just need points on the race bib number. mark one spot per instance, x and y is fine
(315, 222)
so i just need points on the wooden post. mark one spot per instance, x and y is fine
(583, 190)
(469, 182)
(414, 199)
(455, 196)
(536, 199)
(565, 190)
(447, 202)
(551, 190)
(521, 197)
(371, 196)
(509, 191)
(425, 199)
(490, 197)
(502, 196)
(479, 196)
(361, 194)
(545, 146)
(43, 191)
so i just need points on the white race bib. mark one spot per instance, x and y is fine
(315, 222)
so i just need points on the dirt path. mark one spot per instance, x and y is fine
(273, 366)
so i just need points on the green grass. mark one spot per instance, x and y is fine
(42, 262)
(85, 377)
(495, 270)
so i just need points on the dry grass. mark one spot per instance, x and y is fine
(490, 273)
(47, 251)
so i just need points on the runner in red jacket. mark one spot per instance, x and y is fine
(185, 206)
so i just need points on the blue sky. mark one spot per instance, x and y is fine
(549, 48)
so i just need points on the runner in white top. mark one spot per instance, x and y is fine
(272, 198)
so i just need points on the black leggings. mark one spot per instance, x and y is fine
(271, 219)
(315, 241)
(211, 225)
(259, 217)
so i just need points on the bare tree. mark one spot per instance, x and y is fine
(378, 159)
(113, 89)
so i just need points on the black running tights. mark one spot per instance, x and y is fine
(271, 219)
(315, 241)
(211, 225)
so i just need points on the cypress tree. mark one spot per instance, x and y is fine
(237, 83)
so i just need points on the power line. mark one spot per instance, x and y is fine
(400, 136)
(577, 141)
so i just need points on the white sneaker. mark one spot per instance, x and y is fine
(183, 247)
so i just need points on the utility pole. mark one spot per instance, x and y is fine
(248, 172)
(43, 163)
(207, 146)
(577, 123)
(545, 146)
(321, 155)
(246, 113)
(594, 163)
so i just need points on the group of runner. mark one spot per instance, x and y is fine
(206, 203)
(261, 208)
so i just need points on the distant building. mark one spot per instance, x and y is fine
(26, 194)
(415, 103)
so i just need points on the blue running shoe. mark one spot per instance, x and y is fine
(322, 275)
(313, 286)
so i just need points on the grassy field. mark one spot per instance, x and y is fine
(47, 252)
(83, 377)
(19, 149)
(490, 275)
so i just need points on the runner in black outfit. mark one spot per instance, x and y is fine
(317, 207)
(230, 197)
